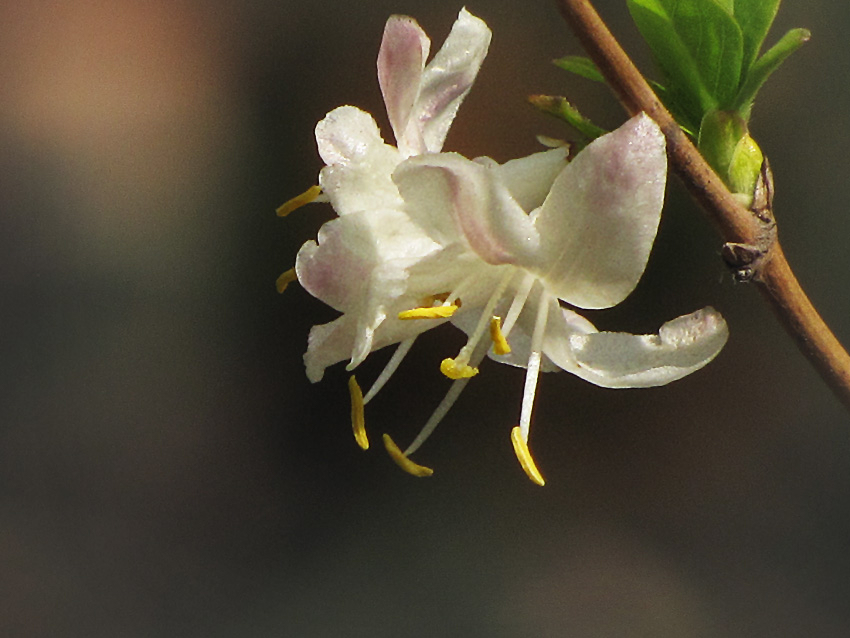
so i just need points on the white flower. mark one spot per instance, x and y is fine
(362, 275)
(425, 237)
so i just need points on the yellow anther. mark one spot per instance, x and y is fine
(402, 461)
(524, 456)
(437, 312)
(299, 200)
(285, 279)
(453, 370)
(358, 420)
(500, 344)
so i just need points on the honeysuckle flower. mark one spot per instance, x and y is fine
(425, 237)
(422, 101)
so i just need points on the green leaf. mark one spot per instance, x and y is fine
(765, 65)
(580, 66)
(698, 46)
(689, 127)
(719, 134)
(754, 17)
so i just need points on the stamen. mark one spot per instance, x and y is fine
(517, 304)
(533, 367)
(524, 456)
(402, 461)
(437, 312)
(500, 344)
(298, 201)
(445, 405)
(459, 368)
(285, 279)
(390, 368)
(358, 420)
(459, 291)
(455, 369)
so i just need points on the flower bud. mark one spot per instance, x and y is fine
(727, 146)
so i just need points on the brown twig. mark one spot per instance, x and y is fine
(737, 225)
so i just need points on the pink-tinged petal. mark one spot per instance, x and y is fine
(455, 199)
(448, 78)
(361, 257)
(598, 224)
(401, 59)
(338, 268)
(621, 360)
(360, 267)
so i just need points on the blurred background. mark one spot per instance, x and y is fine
(166, 469)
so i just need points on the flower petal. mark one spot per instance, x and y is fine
(620, 360)
(347, 336)
(448, 78)
(360, 267)
(360, 256)
(529, 179)
(359, 162)
(347, 134)
(337, 269)
(455, 199)
(599, 221)
(401, 60)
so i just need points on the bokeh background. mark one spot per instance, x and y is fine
(167, 470)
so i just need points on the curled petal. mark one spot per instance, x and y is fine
(448, 78)
(454, 198)
(347, 134)
(620, 360)
(599, 221)
(338, 268)
(359, 163)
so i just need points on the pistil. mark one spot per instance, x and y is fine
(519, 434)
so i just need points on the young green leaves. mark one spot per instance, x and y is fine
(708, 51)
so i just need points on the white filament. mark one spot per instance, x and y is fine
(389, 369)
(484, 320)
(517, 304)
(533, 369)
(446, 404)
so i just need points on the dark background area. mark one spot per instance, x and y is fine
(166, 469)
